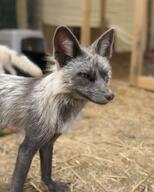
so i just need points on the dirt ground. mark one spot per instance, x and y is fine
(111, 148)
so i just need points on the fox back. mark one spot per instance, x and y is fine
(47, 105)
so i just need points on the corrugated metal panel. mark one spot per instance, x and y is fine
(68, 12)
(119, 14)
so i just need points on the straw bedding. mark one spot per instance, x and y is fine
(111, 148)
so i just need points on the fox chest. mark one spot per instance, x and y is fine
(59, 114)
(66, 117)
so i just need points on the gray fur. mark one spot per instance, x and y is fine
(45, 107)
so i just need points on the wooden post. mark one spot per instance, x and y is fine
(85, 27)
(103, 13)
(22, 13)
(138, 42)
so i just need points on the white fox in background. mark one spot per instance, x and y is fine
(10, 61)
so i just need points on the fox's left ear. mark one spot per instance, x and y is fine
(66, 46)
(103, 46)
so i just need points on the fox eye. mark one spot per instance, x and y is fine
(88, 76)
(106, 78)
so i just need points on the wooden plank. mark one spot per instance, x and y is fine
(85, 26)
(103, 22)
(149, 24)
(146, 82)
(48, 32)
(22, 17)
(138, 41)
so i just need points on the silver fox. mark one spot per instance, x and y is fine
(45, 107)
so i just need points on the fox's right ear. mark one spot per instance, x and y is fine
(66, 46)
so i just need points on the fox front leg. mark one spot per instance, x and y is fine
(25, 154)
(46, 156)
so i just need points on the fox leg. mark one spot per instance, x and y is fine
(25, 154)
(46, 155)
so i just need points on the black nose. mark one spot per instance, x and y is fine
(109, 96)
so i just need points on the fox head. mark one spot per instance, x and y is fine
(86, 71)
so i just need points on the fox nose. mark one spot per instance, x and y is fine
(109, 96)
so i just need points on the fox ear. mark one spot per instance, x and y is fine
(66, 46)
(104, 44)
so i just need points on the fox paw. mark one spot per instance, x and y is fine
(55, 186)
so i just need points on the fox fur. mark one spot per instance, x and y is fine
(10, 59)
(46, 106)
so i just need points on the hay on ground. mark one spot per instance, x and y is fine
(111, 149)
